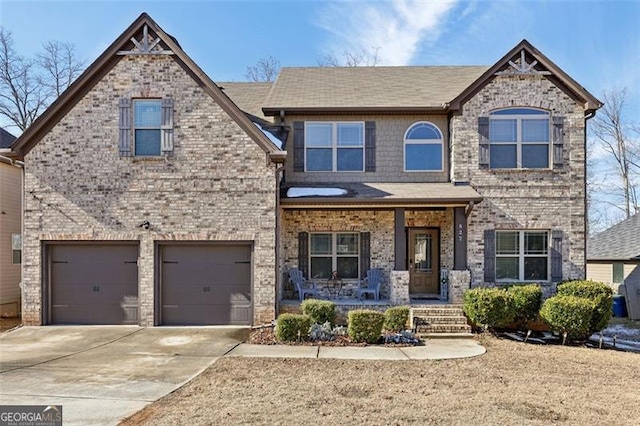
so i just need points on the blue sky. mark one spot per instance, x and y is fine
(596, 42)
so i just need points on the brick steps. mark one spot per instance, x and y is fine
(445, 321)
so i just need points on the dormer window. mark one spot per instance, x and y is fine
(519, 139)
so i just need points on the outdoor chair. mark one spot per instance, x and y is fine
(303, 286)
(371, 284)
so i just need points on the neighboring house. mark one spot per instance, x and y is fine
(10, 228)
(467, 175)
(613, 255)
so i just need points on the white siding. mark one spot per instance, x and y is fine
(10, 223)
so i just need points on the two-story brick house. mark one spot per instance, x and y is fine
(478, 171)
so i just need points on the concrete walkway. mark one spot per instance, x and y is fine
(433, 349)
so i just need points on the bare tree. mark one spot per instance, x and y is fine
(352, 59)
(29, 85)
(266, 69)
(612, 133)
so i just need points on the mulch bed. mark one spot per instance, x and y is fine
(266, 336)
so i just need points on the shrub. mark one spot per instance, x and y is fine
(365, 325)
(526, 301)
(599, 293)
(570, 314)
(291, 327)
(492, 307)
(321, 332)
(396, 317)
(320, 311)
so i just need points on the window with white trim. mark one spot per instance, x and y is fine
(147, 122)
(330, 252)
(423, 148)
(16, 249)
(522, 256)
(519, 139)
(334, 146)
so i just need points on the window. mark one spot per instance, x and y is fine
(16, 249)
(334, 252)
(334, 147)
(618, 272)
(147, 121)
(423, 148)
(519, 138)
(522, 255)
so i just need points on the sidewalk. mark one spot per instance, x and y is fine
(433, 349)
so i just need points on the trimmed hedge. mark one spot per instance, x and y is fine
(365, 325)
(291, 327)
(395, 318)
(526, 301)
(570, 314)
(599, 293)
(492, 307)
(320, 311)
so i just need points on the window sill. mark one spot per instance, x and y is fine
(152, 159)
(499, 171)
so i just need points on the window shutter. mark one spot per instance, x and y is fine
(298, 146)
(167, 126)
(556, 256)
(489, 256)
(370, 146)
(558, 142)
(303, 253)
(365, 253)
(483, 131)
(125, 127)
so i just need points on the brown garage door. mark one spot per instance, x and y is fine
(206, 284)
(93, 283)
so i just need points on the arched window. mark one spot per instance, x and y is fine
(519, 138)
(423, 150)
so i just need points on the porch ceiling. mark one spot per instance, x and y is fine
(385, 194)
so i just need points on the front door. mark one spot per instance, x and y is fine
(424, 261)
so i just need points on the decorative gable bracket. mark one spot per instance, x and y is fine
(522, 67)
(146, 46)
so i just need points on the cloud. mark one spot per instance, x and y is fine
(397, 28)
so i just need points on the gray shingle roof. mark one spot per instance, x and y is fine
(620, 242)
(370, 87)
(249, 96)
(6, 138)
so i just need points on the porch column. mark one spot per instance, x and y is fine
(400, 254)
(460, 239)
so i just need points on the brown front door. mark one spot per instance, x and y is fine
(424, 261)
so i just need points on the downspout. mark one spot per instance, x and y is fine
(588, 115)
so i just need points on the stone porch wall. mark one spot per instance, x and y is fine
(216, 186)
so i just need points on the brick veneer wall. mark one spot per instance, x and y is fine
(524, 199)
(216, 186)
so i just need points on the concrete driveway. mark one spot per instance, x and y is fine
(100, 374)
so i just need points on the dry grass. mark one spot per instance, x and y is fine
(513, 383)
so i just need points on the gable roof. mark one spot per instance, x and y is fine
(108, 59)
(620, 242)
(405, 89)
(369, 88)
(6, 138)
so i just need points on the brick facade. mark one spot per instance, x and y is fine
(216, 186)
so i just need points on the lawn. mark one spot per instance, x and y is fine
(513, 383)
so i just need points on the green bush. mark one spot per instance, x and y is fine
(365, 325)
(599, 293)
(526, 303)
(291, 327)
(492, 307)
(320, 311)
(570, 314)
(396, 317)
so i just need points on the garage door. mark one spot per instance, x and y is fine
(206, 284)
(94, 283)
